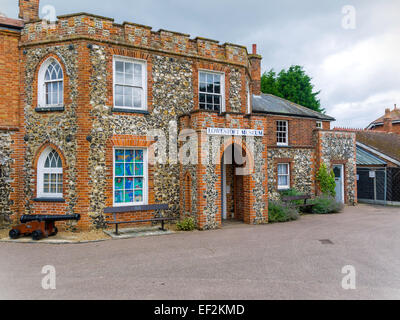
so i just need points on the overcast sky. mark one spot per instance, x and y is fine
(357, 70)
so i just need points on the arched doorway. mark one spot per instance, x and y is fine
(232, 183)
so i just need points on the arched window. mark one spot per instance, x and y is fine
(50, 174)
(51, 84)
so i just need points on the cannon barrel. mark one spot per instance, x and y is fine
(48, 218)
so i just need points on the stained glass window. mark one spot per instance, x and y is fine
(129, 176)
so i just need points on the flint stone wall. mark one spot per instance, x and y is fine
(301, 170)
(6, 175)
(339, 146)
(52, 127)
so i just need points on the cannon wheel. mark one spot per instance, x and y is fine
(14, 234)
(37, 235)
(55, 231)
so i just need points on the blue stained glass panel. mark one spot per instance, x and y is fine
(138, 195)
(138, 183)
(129, 155)
(139, 156)
(119, 183)
(119, 196)
(128, 169)
(119, 169)
(139, 169)
(128, 196)
(129, 183)
(119, 155)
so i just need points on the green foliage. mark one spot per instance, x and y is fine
(187, 224)
(326, 180)
(281, 212)
(326, 204)
(294, 85)
(292, 192)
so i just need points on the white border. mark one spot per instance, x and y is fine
(287, 134)
(145, 176)
(41, 93)
(286, 187)
(41, 171)
(222, 87)
(144, 80)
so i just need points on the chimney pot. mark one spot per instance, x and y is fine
(387, 111)
(254, 48)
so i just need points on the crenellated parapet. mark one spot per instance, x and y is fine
(96, 28)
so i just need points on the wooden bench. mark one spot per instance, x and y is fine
(148, 207)
(296, 198)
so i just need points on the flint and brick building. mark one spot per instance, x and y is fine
(82, 98)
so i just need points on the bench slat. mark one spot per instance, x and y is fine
(144, 207)
(146, 220)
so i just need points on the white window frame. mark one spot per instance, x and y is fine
(144, 81)
(284, 187)
(41, 170)
(145, 178)
(286, 132)
(248, 98)
(319, 124)
(42, 84)
(222, 74)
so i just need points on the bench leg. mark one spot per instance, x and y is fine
(162, 225)
(116, 230)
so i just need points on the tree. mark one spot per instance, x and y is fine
(326, 180)
(294, 85)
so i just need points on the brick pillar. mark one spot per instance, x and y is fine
(255, 71)
(28, 10)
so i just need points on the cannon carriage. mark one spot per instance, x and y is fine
(39, 226)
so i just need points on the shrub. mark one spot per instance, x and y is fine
(326, 204)
(281, 212)
(326, 180)
(187, 224)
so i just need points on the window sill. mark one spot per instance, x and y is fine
(49, 109)
(283, 146)
(49, 200)
(123, 110)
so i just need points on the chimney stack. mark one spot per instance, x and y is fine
(28, 10)
(255, 71)
(387, 121)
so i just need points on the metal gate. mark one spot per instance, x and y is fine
(378, 185)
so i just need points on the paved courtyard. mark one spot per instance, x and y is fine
(276, 261)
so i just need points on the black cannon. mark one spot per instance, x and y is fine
(39, 226)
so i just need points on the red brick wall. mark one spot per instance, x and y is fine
(9, 79)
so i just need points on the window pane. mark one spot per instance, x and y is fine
(137, 98)
(138, 195)
(283, 180)
(128, 196)
(202, 97)
(119, 169)
(209, 98)
(119, 196)
(139, 169)
(217, 89)
(138, 155)
(119, 100)
(119, 155)
(202, 106)
(138, 75)
(119, 183)
(128, 183)
(119, 90)
(129, 169)
(119, 77)
(282, 169)
(119, 66)
(129, 155)
(129, 67)
(138, 183)
(210, 88)
(202, 77)
(129, 79)
(46, 188)
(203, 87)
(210, 78)
(217, 100)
